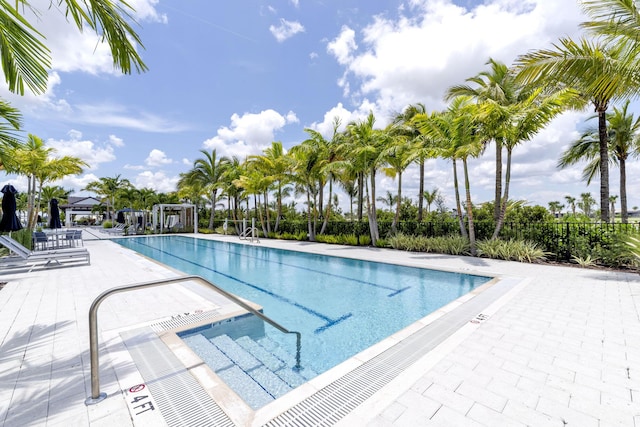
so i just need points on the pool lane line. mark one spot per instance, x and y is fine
(394, 292)
(329, 321)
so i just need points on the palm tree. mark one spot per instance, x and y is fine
(306, 171)
(624, 137)
(365, 145)
(572, 202)
(430, 197)
(456, 132)
(555, 207)
(519, 122)
(585, 203)
(108, 188)
(26, 60)
(388, 200)
(498, 86)
(596, 71)
(612, 200)
(33, 160)
(422, 149)
(397, 154)
(207, 173)
(275, 164)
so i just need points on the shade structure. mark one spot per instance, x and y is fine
(54, 220)
(9, 221)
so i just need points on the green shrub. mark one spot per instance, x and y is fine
(452, 245)
(511, 250)
(107, 224)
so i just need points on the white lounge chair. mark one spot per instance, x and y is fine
(49, 257)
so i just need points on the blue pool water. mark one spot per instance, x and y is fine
(341, 306)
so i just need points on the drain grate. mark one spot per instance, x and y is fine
(184, 320)
(183, 402)
(332, 403)
(178, 395)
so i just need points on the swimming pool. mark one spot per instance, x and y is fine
(341, 306)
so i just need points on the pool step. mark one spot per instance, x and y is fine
(256, 374)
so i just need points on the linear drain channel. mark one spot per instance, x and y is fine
(183, 402)
(178, 395)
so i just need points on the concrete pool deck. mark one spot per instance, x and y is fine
(562, 349)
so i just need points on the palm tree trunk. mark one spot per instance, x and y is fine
(360, 194)
(505, 199)
(497, 202)
(472, 232)
(326, 218)
(266, 209)
(310, 224)
(279, 210)
(604, 164)
(213, 209)
(463, 229)
(396, 218)
(623, 191)
(373, 215)
(421, 191)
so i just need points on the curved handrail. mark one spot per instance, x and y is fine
(96, 396)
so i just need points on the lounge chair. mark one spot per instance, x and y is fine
(117, 229)
(49, 257)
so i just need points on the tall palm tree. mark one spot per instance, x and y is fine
(519, 122)
(497, 85)
(276, 164)
(555, 207)
(107, 188)
(207, 172)
(624, 136)
(366, 144)
(306, 171)
(37, 162)
(422, 149)
(396, 153)
(585, 203)
(430, 197)
(572, 203)
(456, 132)
(597, 71)
(612, 200)
(389, 199)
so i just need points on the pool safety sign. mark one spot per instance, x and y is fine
(142, 407)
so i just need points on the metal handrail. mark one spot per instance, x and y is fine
(96, 396)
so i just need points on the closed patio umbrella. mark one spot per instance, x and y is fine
(9, 221)
(54, 220)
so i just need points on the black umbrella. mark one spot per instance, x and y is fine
(9, 221)
(120, 217)
(54, 220)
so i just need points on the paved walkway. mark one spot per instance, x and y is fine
(562, 349)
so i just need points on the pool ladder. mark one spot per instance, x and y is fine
(96, 396)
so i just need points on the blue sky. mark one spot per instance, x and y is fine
(237, 75)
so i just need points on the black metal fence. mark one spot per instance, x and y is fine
(560, 239)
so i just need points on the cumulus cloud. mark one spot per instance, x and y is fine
(415, 56)
(286, 29)
(93, 153)
(157, 181)
(157, 158)
(250, 133)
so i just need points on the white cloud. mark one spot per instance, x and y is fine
(91, 152)
(157, 181)
(295, 3)
(145, 11)
(157, 158)
(343, 46)
(286, 29)
(249, 133)
(415, 57)
(186, 161)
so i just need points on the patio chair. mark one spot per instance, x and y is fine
(40, 240)
(49, 257)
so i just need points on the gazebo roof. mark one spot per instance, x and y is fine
(81, 203)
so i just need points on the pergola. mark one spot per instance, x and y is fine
(175, 217)
(79, 206)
